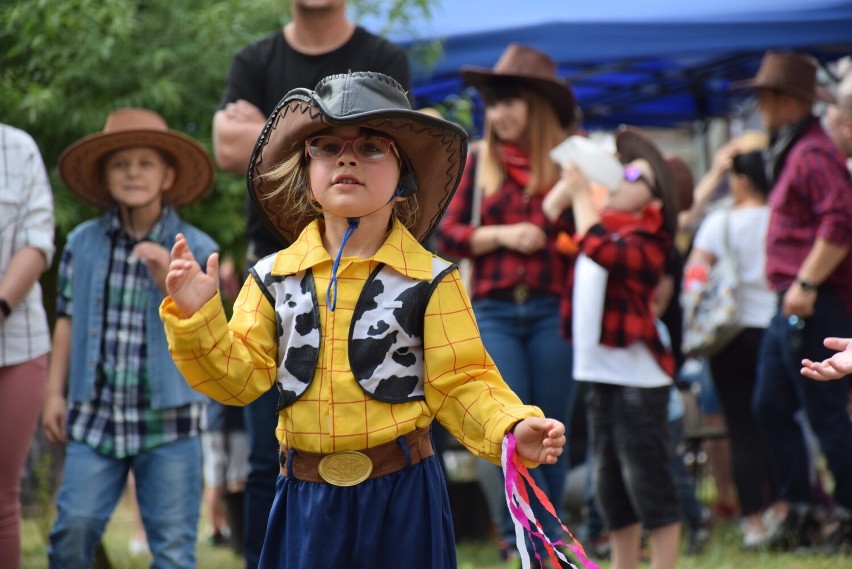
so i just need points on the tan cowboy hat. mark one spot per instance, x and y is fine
(524, 64)
(434, 149)
(80, 164)
(632, 144)
(792, 73)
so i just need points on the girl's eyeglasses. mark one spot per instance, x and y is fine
(634, 173)
(326, 147)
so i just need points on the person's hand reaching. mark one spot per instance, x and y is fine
(188, 286)
(835, 367)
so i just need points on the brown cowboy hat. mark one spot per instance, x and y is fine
(80, 164)
(633, 144)
(684, 183)
(792, 73)
(525, 64)
(435, 149)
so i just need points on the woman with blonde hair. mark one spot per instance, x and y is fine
(496, 220)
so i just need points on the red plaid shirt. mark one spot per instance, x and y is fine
(633, 250)
(811, 199)
(543, 271)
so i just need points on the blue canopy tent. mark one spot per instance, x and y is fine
(661, 63)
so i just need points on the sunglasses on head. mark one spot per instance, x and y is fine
(634, 174)
(370, 147)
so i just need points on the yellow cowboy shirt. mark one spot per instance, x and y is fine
(235, 362)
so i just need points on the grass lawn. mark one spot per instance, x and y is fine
(722, 552)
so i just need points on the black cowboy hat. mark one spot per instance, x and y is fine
(435, 149)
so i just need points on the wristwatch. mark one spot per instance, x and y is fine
(806, 285)
(5, 308)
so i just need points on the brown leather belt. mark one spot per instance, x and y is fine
(348, 468)
(518, 294)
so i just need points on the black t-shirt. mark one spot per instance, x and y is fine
(266, 70)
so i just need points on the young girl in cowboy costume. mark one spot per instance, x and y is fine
(366, 336)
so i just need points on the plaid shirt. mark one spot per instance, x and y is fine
(119, 421)
(501, 269)
(236, 362)
(26, 220)
(633, 251)
(811, 199)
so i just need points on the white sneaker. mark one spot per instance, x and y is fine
(772, 521)
(754, 539)
(138, 547)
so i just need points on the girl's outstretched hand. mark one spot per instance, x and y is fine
(540, 440)
(188, 286)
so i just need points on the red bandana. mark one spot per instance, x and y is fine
(517, 163)
(650, 220)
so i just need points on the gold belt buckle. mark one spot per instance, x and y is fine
(521, 293)
(346, 468)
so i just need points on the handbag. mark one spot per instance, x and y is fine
(710, 304)
(466, 264)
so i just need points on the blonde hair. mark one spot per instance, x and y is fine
(293, 185)
(543, 133)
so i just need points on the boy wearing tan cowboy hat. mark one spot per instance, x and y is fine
(127, 407)
(366, 336)
(618, 349)
(809, 267)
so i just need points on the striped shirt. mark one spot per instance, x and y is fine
(26, 220)
(120, 421)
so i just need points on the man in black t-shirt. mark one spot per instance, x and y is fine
(319, 41)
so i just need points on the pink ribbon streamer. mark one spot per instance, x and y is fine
(517, 479)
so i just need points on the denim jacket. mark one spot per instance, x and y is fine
(90, 245)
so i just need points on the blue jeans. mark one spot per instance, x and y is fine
(525, 342)
(781, 391)
(261, 420)
(168, 488)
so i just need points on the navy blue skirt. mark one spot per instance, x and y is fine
(397, 520)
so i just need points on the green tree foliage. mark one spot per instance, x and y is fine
(65, 64)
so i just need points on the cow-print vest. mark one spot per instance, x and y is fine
(385, 337)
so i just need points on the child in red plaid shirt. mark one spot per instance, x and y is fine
(622, 253)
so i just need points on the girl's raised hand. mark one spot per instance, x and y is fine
(188, 286)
